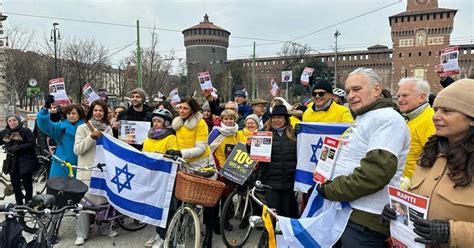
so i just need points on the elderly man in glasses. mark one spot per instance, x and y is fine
(324, 108)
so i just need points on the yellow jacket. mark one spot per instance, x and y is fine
(336, 114)
(421, 128)
(294, 120)
(160, 145)
(187, 138)
(243, 135)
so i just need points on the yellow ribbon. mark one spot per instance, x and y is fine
(267, 221)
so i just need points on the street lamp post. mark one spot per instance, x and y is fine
(335, 57)
(55, 36)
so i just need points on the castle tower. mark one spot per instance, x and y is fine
(418, 35)
(206, 47)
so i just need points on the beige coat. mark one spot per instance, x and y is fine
(84, 148)
(447, 202)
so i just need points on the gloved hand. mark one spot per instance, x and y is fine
(96, 134)
(48, 100)
(174, 153)
(431, 232)
(320, 189)
(388, 214)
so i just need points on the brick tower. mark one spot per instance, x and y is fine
(418, 35)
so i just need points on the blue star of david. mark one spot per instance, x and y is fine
(314, 149)
(128, 178)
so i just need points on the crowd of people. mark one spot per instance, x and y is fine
(431, 145)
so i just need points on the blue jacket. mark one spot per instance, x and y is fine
(64, 133)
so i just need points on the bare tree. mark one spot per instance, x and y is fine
(19, 37)
(84, 62)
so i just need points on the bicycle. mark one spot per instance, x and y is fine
(194, 190)
(237, 219)
(44, 237)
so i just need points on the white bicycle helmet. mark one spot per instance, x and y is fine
(339, 92)
(164, 113)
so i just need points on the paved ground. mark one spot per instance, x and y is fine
(124, 239)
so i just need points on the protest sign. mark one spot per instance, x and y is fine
(174, 96)
(89, 93)
(307, 72)
(57, 88)
(449, 61)
(238, 165)
(205, 80)
(31, 119)
(327, 159)
(261, 147)
(407, 206)
(133, 132)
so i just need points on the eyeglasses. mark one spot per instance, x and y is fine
(320, 94)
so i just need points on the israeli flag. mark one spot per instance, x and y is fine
(310, 138)
(321, 224)
(139, 185)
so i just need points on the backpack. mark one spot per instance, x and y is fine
(11, 234)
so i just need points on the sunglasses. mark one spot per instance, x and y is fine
(320, 94)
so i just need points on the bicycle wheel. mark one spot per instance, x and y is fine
(39, 181)
(130, 224)
(235, 228)
(184, 230)
(29, 222)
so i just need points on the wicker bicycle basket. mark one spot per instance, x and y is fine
(198, 190)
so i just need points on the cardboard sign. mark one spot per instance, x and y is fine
(238, 165)
(261, 148)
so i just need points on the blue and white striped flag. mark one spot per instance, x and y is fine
(309, 140)
(321, 224)
(139, 185)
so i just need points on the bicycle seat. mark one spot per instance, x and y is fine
(43, 200)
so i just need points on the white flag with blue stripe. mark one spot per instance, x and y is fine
(139, 185)
(309, 140)
(321, 224)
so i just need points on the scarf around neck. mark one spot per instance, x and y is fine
(159, 133)
(98, 125)
(416, 112)
(224, 131)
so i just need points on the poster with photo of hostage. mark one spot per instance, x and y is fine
(205, 80)
(89, 93)
(57, 88)
(133, 132)
(407, 206)
(327, 160)
(261, 146)
(449, 61)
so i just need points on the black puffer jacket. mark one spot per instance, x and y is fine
(280, 172)
(21, 143)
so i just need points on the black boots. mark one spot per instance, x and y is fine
(207, 243)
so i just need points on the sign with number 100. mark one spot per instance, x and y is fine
(242, 158)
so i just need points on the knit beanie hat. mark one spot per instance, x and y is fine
(206, 106)
(323, 84)
(141, 92)
(253, 117)
(457, 96)
(13, 115)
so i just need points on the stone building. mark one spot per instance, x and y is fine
(206, 47)
(418, 35)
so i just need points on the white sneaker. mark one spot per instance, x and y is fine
(159, 243)
(113, 233)
(80, 241)
(151, 242)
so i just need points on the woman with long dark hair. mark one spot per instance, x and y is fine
(97, 122)
(280, 172)
(444, 171)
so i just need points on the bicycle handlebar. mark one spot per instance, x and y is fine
(12, 209)
(260, 186)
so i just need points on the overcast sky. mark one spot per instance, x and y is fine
(263, 19)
